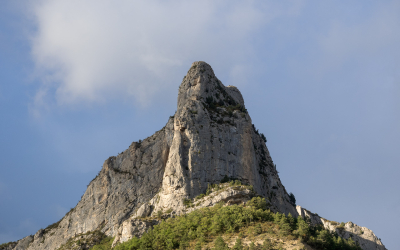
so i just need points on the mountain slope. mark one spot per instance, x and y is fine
(210, 139)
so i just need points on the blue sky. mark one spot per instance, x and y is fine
(79, 81)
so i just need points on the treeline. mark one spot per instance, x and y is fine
(200, 226)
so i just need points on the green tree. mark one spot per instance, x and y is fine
(284, 225)
(258, 203)
(277, 217)
(263, 137)
(292, 199)
(291, 221)
(325, 238)
(303, 229)
(252, 246)
(198, 245)
(219, 244)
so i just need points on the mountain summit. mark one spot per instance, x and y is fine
(209, 140)
(213, 139)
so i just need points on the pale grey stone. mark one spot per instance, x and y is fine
(24, 243)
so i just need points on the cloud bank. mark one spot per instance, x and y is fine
(94, 51)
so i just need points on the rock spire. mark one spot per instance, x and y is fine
(209, 140)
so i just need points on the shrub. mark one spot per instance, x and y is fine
(341, 226)
(200, 196)
(238, 244)
(252, 246)
(258, 229)
(267, 244)
(292, 199)
(225, 179)
(263, 137)
(105, 244)
(209, 189)
(187, 202)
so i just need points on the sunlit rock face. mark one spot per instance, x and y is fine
(210, 139)
(213, 138)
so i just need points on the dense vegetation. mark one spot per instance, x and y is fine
(196, 229)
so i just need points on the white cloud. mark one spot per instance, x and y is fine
(93, 51)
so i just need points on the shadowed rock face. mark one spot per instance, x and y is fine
(210, 138)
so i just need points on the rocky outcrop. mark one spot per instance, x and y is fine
(133, 228)
(209, 140)
(362, 235)
(213, 138)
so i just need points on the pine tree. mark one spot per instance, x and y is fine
(278, 217)
(292, 199)
(340, 242)
(198, 245)
(291, 221)
(219, 244)
(284, 226)
(302, 228)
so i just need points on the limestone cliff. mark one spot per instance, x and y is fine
(209, 139)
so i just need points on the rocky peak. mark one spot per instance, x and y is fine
(200, 83)
(214, 139)
(210, 140)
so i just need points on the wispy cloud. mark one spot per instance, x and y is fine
(94, 51)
